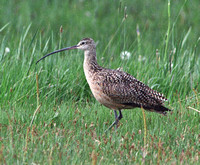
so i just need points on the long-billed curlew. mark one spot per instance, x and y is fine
(116, 89)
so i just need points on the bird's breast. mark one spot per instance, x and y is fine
(96, 85)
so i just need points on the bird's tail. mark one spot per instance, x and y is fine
(161, 109)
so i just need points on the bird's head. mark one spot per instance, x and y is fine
(84, 44)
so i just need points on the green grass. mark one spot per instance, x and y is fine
(69, 126)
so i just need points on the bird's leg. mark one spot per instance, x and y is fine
(117, 118)
(120, 115)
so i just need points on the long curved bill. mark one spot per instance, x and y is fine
(68, 48)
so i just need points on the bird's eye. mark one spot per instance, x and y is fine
(82, 43)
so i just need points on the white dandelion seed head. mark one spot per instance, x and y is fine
(88, 14)
(7, 50)
(140, 58)
(125, 55)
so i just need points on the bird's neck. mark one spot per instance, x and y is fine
(90, 61)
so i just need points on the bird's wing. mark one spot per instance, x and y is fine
(123, 88)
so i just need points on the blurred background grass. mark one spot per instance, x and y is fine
(34, 30)
(31, 29)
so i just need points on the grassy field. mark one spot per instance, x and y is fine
(64, 124)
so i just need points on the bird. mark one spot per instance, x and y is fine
(116, 89)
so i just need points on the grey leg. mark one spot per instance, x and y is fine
(120, 115)
(117, 118)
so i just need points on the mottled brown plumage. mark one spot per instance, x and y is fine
(116, 89)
